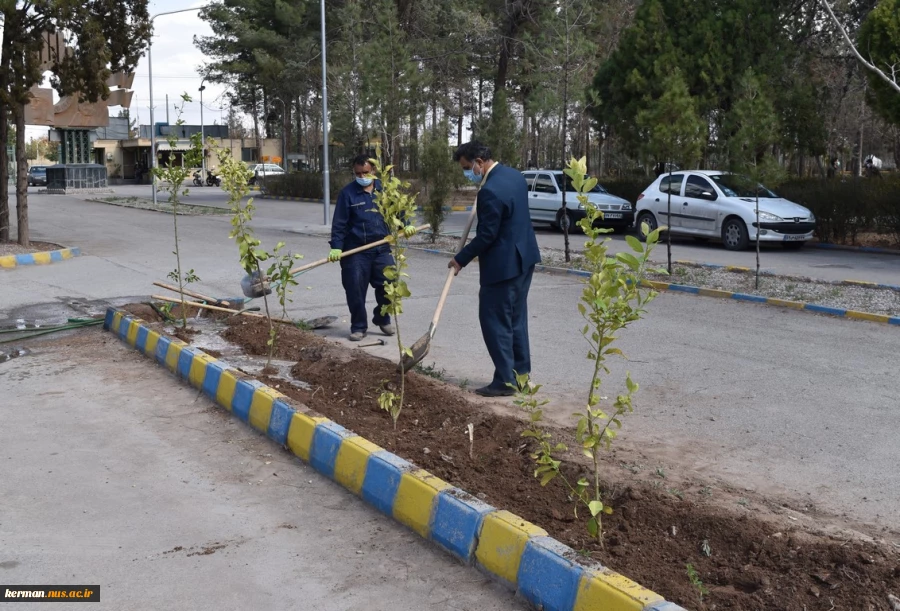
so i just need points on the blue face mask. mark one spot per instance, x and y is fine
(364, 182)
(472, 176)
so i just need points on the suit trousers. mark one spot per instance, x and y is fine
(357, 273)
(503, 313)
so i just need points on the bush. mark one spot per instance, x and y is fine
(626, 188)
(846, 207)
(307, 185)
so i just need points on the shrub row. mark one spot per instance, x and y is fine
(846, 207)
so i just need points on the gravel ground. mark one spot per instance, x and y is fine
(162, 205)
(808, 290)
(11, 248)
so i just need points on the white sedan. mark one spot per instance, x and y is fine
(720, 205)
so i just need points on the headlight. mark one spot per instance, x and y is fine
(768, 217)
(580, 206)
(812, 217)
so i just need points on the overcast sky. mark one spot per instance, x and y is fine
(175, 64)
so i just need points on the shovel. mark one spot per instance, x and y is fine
(255, 285)
(420, 349)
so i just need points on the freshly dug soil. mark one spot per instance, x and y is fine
(745, 562)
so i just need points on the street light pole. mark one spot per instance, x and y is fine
(325, 178)
(153, 160)
(202, 134)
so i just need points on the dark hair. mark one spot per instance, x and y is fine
(470, 151)
(360, 160)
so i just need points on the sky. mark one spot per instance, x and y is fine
(175, 71)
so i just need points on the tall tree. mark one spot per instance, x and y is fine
(672, 131)
(105, 36)
(879, 39)
(754, 129)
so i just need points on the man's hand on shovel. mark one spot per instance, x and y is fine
(456, 267)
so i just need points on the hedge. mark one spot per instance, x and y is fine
(846, 207)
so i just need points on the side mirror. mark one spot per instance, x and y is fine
(708, 196)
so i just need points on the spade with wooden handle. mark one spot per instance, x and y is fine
(420, 349)
(256, 286)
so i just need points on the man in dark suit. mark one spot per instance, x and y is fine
(507, 252)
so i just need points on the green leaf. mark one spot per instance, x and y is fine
(595, 507)
(593, 527)
(635, 244)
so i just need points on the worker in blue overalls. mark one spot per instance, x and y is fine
(356, 223)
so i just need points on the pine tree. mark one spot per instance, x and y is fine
(671, 131)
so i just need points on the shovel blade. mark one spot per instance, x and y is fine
(419, 352)
(255, 285)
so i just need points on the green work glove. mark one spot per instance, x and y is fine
(334, 254)
(409, 231)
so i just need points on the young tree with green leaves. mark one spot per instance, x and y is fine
(173, 176)
(397, 207)
(439, 173)
(754, 128)
(672, 132)
(613, 297)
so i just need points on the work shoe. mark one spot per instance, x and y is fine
(387, 329)
(357, 336)
(491, 391)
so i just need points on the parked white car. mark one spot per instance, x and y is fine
(722, 206)
(545, 201)
(261, 170)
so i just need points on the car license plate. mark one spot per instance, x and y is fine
(612, 215)
(795, 238)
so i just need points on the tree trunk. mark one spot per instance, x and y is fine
(4, 173)
(4, 137)
(21, 177)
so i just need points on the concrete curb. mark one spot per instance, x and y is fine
(38, 258)
(508, 549)
(319, 201)
(868, 249)
(705, 292)
(290, 199)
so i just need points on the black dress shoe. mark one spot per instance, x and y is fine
(491, 391)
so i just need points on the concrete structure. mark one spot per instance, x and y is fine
(129, 158)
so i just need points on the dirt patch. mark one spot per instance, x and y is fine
(13, 248)
(747, 562)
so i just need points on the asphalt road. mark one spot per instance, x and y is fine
(773, 400)
(808, 262)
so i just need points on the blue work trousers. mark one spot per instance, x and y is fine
(357, 273)
(503, 313)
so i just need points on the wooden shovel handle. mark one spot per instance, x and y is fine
(187, 292)
(309, 266)
(206, 306)
(452, 273)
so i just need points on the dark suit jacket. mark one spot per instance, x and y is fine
(504, 241)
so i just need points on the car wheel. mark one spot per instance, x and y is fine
(734, 234)
(565, 221)
(792, 245)
(646, 217)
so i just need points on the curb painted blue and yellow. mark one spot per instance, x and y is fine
(38, 258)
(706, 292)
(287, 198)
(510, 550)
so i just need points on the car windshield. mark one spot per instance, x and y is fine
(571, 189)
(734, 185)
(38, 170)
